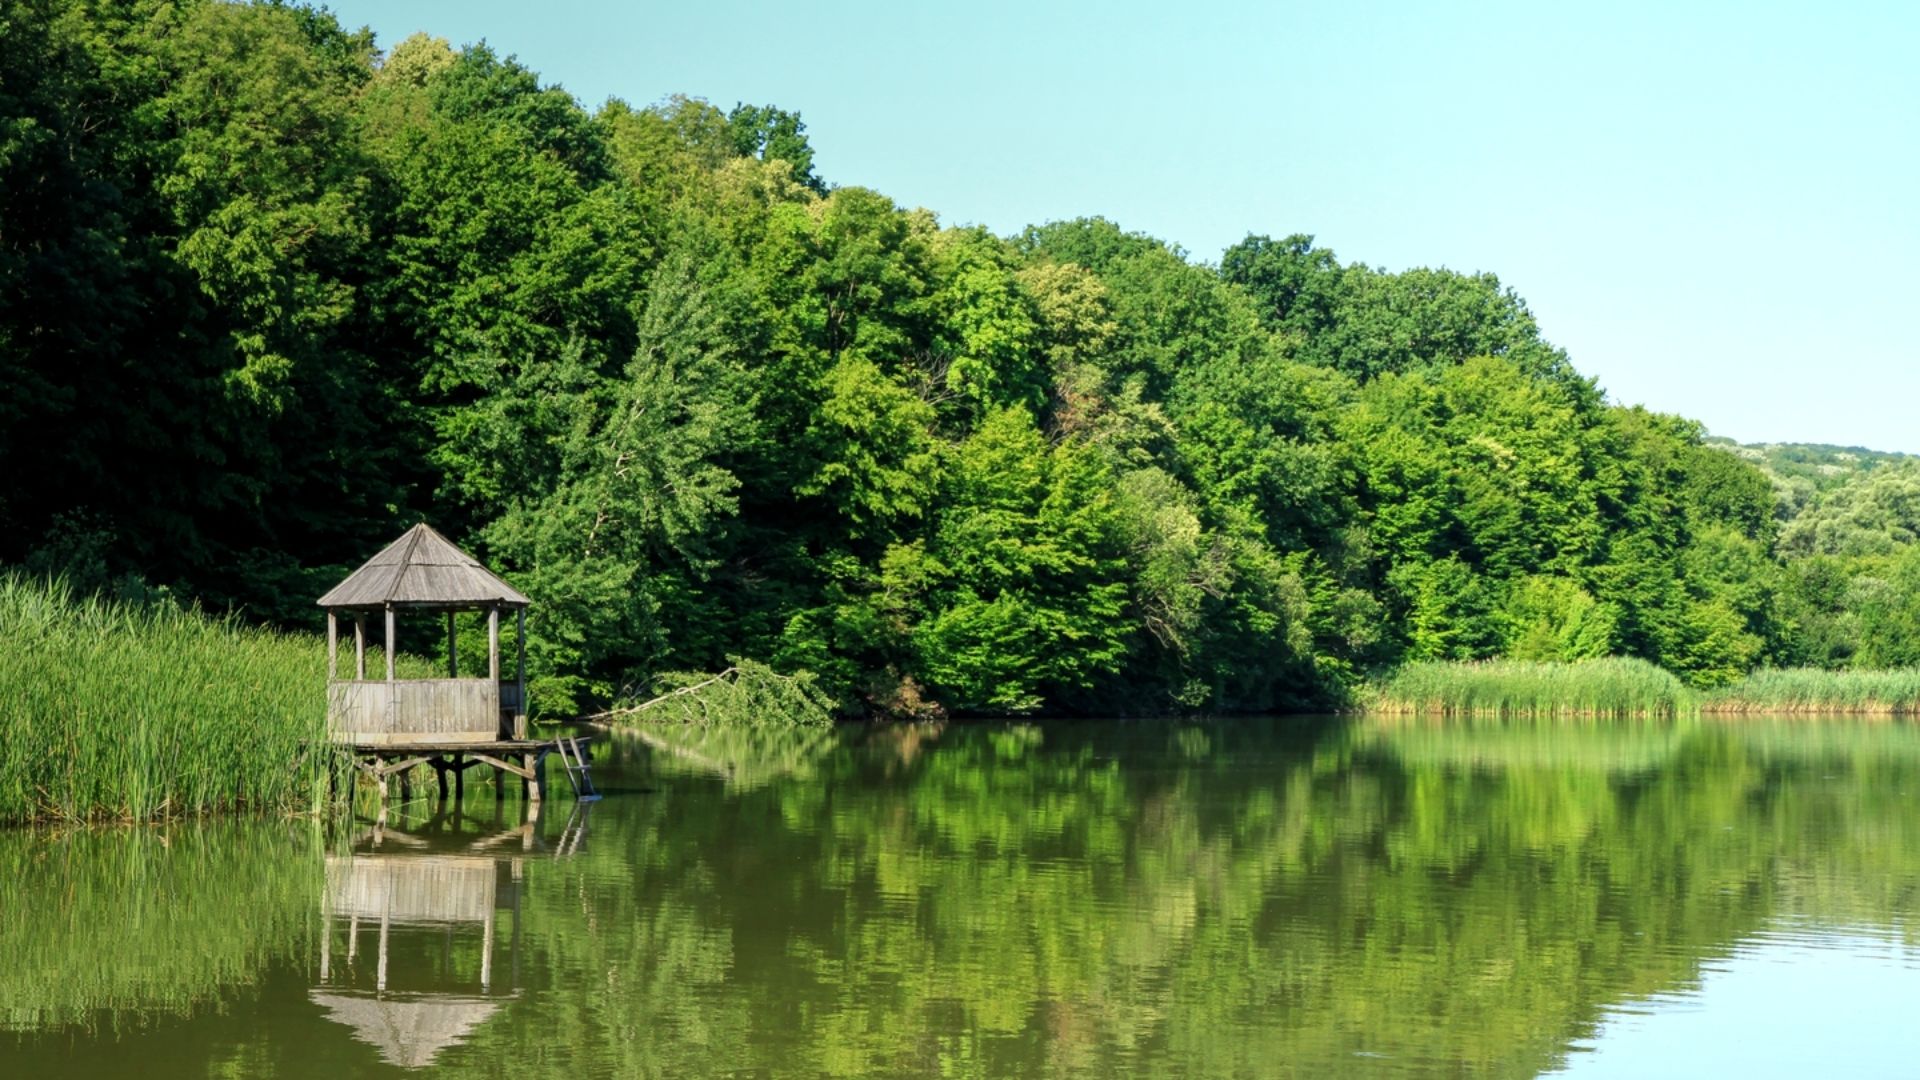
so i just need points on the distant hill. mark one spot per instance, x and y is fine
(1802, 472)
(1822, 466)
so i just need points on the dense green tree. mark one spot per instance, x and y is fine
(773, 134)
(268, 295)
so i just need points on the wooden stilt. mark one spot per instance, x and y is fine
(459, 778)
(440, 774)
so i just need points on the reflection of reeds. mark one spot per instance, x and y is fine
(112, 711)
(1611, 688)
(123, 925)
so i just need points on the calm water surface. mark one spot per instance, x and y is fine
(1245, 898)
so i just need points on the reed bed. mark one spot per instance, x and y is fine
(109, 711)
(1610, 688)
(1812, 691)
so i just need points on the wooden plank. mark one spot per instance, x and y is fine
(503, 763)
(395, 713)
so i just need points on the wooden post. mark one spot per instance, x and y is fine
(459, 777)
(360, 647)
(520, 672)
(389, 649)
(493, 643)
(453, 665)
(333, 646)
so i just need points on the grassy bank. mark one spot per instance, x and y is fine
(109, 711)
(1612, 688)
(1803, 691)
(1621, 688)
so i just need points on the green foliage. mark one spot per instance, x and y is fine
(747, 695)
(268, 295)
(773, 134)
(1018, 591)
(1875, 513)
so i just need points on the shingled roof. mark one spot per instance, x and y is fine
(423, 569)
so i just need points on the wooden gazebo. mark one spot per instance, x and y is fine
(391, 724)
(424, 571)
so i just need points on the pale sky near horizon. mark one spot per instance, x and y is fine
(1710, 206)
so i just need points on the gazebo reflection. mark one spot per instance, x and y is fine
(440, 899)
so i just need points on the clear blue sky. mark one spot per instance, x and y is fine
(1711, 206)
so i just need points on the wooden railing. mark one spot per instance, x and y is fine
(374, 712)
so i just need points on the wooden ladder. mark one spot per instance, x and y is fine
(578, 773)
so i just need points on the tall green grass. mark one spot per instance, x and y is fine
(109, 711)
(1619, 687)
(1611, 688)
(1894, 692)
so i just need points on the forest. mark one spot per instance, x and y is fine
(271, 292)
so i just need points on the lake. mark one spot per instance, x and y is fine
(1271, 897)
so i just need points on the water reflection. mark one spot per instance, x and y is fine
(1246, 898)
(429, 896)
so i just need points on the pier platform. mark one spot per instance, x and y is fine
(524, 758)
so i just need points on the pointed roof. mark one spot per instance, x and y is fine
(408, 1030)
(422, 569)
